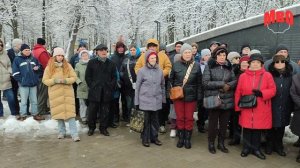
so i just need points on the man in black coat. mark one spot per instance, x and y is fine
(101, 80)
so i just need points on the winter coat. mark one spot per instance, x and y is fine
(82, 88)
(150, 89)
(11, 54)
(101, 80)
(215, 76)
(125, 81)
(197, 57)
(41, 54)
(192, 90)
(5, 71)
(282, 104)
(23, 71)
(164, 61)
(259, 117)
(74, 60)
(61, 96)
(118, 59)
(295, 94)
(296, 68)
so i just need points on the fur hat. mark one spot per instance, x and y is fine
(24, 46)
(278, 58)
(219, 50)
(41, 41)
(233, 55)
(257, 57)
(184, 47)
(58, 51)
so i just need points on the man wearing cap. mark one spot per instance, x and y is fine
(178, 45)
(26, 71)
(213, 45)
(41, 54)
(283, 50)
(101, 80)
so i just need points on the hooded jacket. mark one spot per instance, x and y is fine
(41, 54)
(5, 71)
(164, 61)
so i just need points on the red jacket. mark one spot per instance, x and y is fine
(41, 54)
(259, 117)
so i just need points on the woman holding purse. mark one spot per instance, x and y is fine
(219, 83)
(149, 96)
(186, 73)
(259, 83)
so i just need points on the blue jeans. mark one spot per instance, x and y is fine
(30, 92)
(9, 94)
(72, 126)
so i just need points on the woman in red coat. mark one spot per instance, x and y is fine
(254, 120)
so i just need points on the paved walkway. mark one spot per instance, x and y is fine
(123, 149)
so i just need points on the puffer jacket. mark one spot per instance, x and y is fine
(164, 61)
(82, 88)
(259, 117)
(215, 76)
(61, 95)
(5, 71)
(192, 90)
(23, 71)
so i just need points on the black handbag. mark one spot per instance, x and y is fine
(249, 101)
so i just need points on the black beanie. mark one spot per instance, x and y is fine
(244, 46)
(41, 41)
(24, 46)
(257, 57)
(281, 47)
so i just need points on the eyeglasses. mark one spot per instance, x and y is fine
(282, 61)
(237, 58)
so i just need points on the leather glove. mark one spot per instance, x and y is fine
(226, 88)
(257, 93)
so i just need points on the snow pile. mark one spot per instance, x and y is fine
(47, 127)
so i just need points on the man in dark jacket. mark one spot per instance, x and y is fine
(41, 54)
(101, 80)
(26, 71)
(12, 53)
(118, 58)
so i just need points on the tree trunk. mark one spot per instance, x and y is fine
(44, 20)
(73, 36)
(1, 28)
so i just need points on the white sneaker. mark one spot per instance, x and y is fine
(76, 139)
(162, 129)
(173, 133)
(61, 136)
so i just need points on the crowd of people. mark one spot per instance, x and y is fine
(237, 91)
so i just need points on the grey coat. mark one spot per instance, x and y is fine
(150, 89)
(214, 78)
(5, 71)
(295, 94)
(82, 88)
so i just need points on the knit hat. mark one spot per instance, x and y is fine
(58, 51)
(41, 41)
(101, 47)
(150, 52)
(233, 55)
(184, 47)
(278, 58)
(219, 50)
(245, 46)
(244, 58)
(81, 52)
(82, 45)
(281, 47)
(24, 46)
(257, 57)
(205, 51)
(254, 51)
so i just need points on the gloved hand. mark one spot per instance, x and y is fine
(257, 93)
(226, 88)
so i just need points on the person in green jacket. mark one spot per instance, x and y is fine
(82, 89)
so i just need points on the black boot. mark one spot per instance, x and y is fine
(181, 135)
(259, 154)
(221, 145)
(104, 131)
(187, 141)
(297, 144)
(298, 157)
(269, 148)
(90, 132)
(211, 147)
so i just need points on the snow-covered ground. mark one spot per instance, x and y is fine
(11, 127)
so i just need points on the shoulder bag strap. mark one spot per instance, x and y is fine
(188, 72)
(128, 70)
